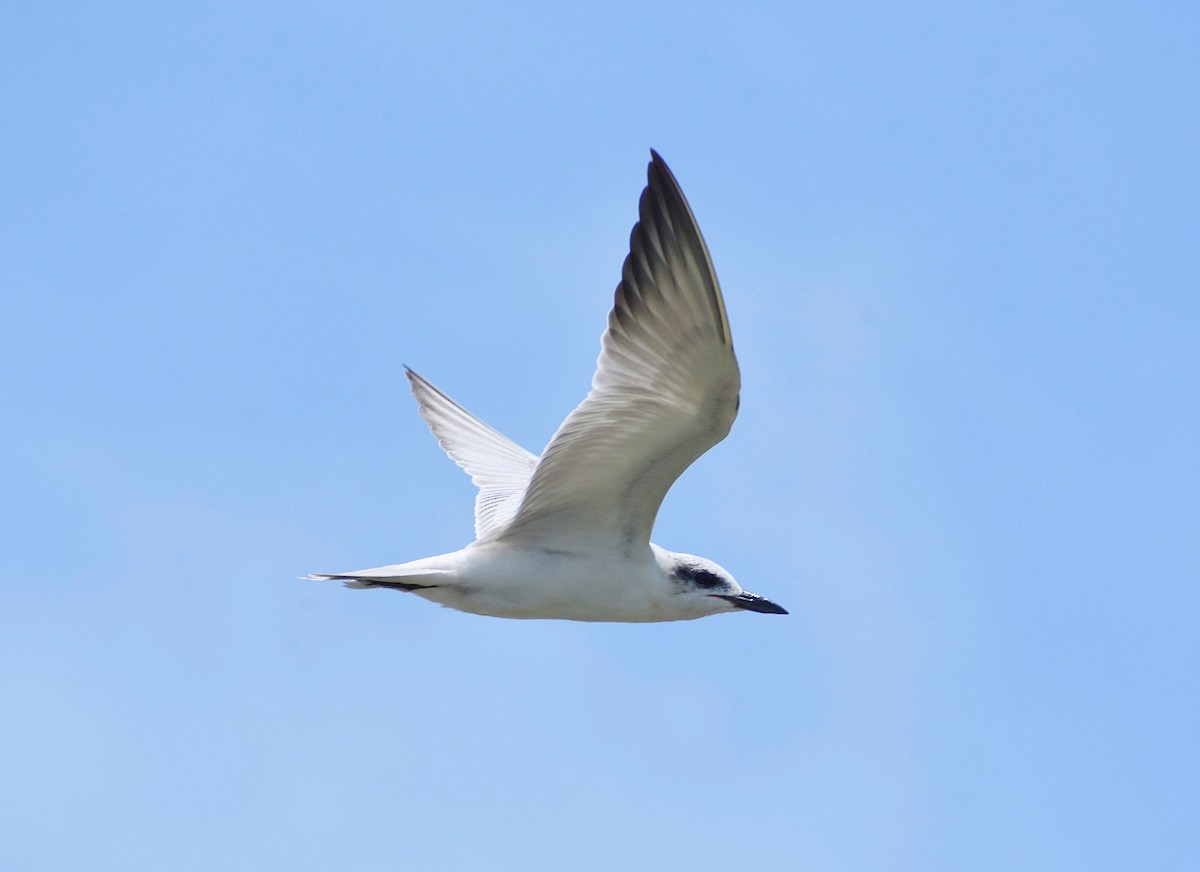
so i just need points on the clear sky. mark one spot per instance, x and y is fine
(960, 246)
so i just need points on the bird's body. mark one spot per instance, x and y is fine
(567, 535)
(493, 578)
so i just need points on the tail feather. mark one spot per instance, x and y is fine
(358, 582)
(364, 580)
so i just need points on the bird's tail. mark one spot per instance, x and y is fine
(396, 577)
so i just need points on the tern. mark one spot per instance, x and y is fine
(567, 535)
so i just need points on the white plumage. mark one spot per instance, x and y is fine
(567, 535)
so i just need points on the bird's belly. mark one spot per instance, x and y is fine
(529, 583)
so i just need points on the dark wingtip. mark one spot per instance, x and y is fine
(658, 167)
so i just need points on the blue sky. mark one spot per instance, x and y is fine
(959, 249)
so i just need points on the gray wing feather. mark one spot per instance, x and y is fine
(664, 392)
(499, 467)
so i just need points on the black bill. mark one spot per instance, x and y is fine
(752, 602)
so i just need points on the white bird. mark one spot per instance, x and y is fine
(567, 535)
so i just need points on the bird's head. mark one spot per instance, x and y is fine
(709, 589)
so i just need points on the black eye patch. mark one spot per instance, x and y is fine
(701, 578)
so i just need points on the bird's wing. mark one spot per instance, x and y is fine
(665, 390)
(499, 467)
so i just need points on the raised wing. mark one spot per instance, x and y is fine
(665, 389)
(499, 467)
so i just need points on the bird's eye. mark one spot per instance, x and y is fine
(702, 578)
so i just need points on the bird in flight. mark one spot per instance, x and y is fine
(567, 535)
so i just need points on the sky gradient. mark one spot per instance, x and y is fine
(958, 245)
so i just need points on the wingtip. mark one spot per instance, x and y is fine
(657, 163)
(660, 178)
(663, 184)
